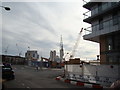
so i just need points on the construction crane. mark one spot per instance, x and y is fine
(76, 44)
(46, 59)
(19, 52)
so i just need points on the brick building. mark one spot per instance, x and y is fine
(13, 59)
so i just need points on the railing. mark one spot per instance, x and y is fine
(88, 30)
(85, 1)
(87, 14)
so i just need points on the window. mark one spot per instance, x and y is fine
(37, 56)
(115, 18)
(29, 54)
(99, 7)
(33, 55)
(101, 24)
(110, 42)
(113, 3)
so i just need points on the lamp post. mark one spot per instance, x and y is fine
(6, 8)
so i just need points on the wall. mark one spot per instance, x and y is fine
(100, 74)
(103, 49)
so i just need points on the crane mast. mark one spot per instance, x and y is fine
(6, 50)
(76, 44)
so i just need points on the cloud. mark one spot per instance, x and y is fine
(39, 25)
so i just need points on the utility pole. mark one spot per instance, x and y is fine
(6, 50)
(19, 52)
(41, 62)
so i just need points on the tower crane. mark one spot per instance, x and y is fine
(19, 52)
(76, 44)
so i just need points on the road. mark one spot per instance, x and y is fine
(29, 77)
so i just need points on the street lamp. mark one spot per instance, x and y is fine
(6, 8)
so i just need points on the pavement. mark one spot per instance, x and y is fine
(78, 83)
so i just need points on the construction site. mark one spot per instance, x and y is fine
(105, 70)
(104, 18)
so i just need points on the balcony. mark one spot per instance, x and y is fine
(92, 33)
(86, 2)
(106, 8)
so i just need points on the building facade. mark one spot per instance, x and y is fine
(31, 55)
(104, 18)
(13, 59)
(52, 55)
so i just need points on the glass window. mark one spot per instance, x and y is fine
(113, 3)
(115, 18)
(110, 43)
(109, 47)
(101, 24)
(99, 7)
(33, 55)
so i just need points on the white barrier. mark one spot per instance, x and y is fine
(100, 74)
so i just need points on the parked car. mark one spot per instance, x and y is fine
(7, 72)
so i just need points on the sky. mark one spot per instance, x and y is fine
(39, 25)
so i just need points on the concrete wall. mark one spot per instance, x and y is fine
(100, 74)
(74, 68)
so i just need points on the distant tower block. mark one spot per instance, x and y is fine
(52, 55)
(61, 50)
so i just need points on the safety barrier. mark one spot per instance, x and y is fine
(79, 83)
(106, 81)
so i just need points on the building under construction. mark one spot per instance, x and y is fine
(104, 18)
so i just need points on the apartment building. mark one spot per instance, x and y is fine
(31, 55)
(104, 18)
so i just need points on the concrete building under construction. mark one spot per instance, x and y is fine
(104, 18)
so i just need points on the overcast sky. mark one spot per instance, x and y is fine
(39, 25)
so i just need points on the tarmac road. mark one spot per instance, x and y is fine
(29, 77)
